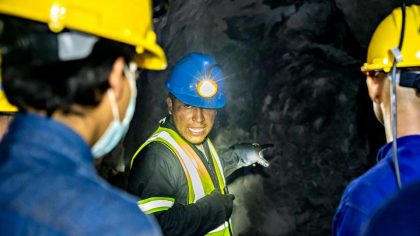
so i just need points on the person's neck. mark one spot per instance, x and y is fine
(408, 123)
(76, 123)
(88, 123)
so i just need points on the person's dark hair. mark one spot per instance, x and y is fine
(172, 97)
(53, 85)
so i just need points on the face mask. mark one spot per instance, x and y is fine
(117, 129)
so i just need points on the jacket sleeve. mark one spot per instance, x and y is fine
(230, 160)
(158, 179)
(349, 219)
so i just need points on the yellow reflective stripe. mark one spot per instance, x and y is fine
(192, 171)
(155, 204)
(223, 229)
(191, 194)
(219, 167)
(156, 138)
(192, 155)
(151, 139)
(198, 177)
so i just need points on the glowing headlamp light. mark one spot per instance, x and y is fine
(207, 88)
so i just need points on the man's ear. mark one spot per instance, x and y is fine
(375, 86)
(170, 104)
(116, 77)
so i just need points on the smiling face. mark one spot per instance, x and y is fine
(193, 123)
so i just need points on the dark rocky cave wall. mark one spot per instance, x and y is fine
(293, 79)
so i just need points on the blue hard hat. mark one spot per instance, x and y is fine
(197, 80)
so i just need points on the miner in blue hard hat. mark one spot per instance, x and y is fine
(177, 173)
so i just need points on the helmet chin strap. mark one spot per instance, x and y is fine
(394, 80)
(396, 52)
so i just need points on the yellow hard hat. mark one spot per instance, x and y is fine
(5, 106)
(126, 21)
(387, 36)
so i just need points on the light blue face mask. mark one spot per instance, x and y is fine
(117, 128)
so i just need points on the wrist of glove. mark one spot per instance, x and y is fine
(250, 154)
(217, 203)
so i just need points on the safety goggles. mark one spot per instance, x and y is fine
(407, 78)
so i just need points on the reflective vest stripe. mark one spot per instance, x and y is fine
(187, 155)
(155, 204)
(199, 167)
(198, 178)
(192, 171)
(216, 159)
(156, 138)
(220, 228)
(224, 228)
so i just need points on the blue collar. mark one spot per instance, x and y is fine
(39, 131)
(411, 140)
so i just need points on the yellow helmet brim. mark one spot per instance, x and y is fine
(5, 106)
(126, 21)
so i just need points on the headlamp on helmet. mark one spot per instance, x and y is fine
(197, 80)
(207, 87)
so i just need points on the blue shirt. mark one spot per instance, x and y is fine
(367, 193)
(398, 216)
(48, 186)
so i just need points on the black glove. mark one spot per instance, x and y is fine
(217, 202)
